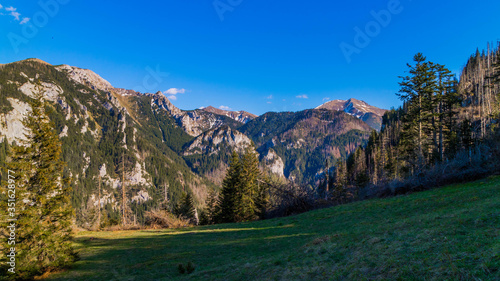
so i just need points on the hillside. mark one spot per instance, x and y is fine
(101, 126)
(449, 233)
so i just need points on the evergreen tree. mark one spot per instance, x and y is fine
(446, 99)
(243, 198)
(359, 172)
(495, 77)
(250, 193)
(212, 211)
(340, 182)
(230, 194)
(44, 213)
(185, 208)
(450, 101)
(417, 92)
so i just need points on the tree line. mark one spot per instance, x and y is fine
(442, 123)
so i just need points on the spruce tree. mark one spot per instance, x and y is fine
(185, 208)
(212, 210)
(242, 198)
(230, 194)
(250, 173)
(44, 214)
(340, 181)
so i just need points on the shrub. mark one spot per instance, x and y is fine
(287, 199)
(164, 219)
(189, 268)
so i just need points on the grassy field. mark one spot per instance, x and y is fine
(452, 233)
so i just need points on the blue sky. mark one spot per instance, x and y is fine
(254, 55)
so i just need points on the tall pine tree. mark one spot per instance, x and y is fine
(417, 93)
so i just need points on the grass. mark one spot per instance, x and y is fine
(451, 233)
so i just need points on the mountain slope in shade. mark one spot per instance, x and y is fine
(370, 114)
(240, 116)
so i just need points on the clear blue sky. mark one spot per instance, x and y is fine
(254, 55)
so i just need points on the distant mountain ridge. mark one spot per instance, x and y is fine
(240, 116)
(370, 114)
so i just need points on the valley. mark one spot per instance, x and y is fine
(167, 149)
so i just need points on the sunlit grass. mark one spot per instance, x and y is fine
(452, 233)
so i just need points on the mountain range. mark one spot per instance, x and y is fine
(168, 151)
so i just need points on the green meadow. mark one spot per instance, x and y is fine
(451, 233)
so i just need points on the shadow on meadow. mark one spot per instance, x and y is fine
(155, 255)
(450, 233)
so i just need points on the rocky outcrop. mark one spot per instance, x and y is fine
(138, 176)
(11, 126)
(193, 122)
(272, 162)
(141, 197)
(50, 91)
(164, 103)
(213, 141)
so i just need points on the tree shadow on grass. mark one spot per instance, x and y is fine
(155, 255)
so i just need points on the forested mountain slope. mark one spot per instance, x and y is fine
(304, 140)
(104, 129)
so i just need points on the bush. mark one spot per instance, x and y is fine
(189, 268)
(287, 199)
(164, 219)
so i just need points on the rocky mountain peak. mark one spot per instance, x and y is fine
(86, 77)
(164, 103)
(360, 109)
